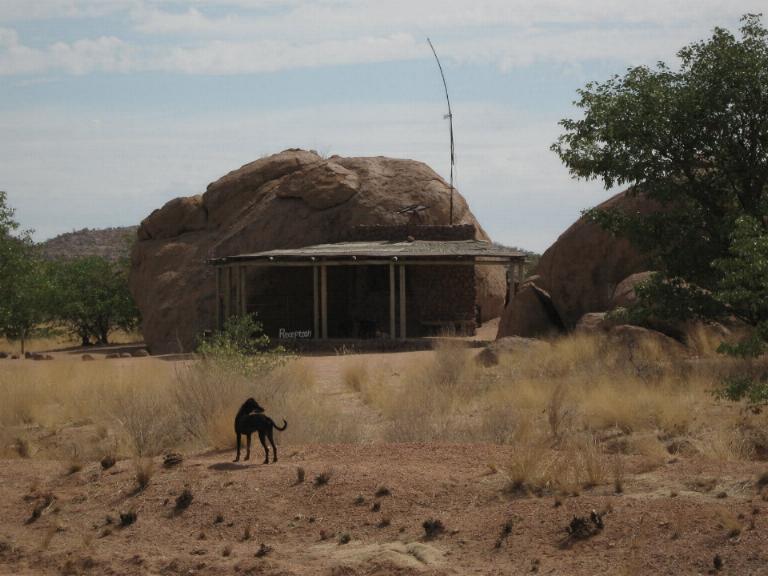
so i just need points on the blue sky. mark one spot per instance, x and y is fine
(109, 108)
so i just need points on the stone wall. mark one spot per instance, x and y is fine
(439, 294)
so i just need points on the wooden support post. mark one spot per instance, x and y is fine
(315, 303)
(236, 282)
(392, 332)
(227, 292)
(243, 293)
(402, 302)
(219, 319)
(324, 299)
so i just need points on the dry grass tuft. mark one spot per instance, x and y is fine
(323, 478)
(183, 500)
(728, 522)
(144, 468)
(432, 528)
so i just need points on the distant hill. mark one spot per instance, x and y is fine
(110, 243)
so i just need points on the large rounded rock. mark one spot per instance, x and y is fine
(532, 316)
(636, 337)
(287, 200)
(582, 269)
(492, 353)
(625, 295)
(593, 322)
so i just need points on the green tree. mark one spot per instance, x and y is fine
(694, 141)
(23, 285)
(90, 297)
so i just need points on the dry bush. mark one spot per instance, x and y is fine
(145, 408)
(497, 423)
(355, 375)
(726, 442)
(559, 413)
(527, 467)
(436, 399)
(617, 473)
(144, 468)
(590, 462)
(147, 417)
(208, 396)
(728, 521)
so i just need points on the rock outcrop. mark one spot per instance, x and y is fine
(287, 200)
(624, 295)
(492, 353)
(580, 272)
(532, 316)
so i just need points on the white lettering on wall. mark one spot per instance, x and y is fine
(284, 334)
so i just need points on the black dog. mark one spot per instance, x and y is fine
(251, 418)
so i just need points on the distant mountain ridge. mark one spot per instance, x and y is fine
(109, 243)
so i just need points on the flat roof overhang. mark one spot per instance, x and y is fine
(426, 252)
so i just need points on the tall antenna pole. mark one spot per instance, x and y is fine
(450, 123)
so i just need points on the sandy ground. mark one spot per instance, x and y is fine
(672, 520)
(684, 515)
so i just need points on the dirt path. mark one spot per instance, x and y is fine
(388, 370)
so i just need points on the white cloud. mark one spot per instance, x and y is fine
(115, 170)
(269, 56)
(374, 16)
(218, 57)
(104, 54)
(242, 36)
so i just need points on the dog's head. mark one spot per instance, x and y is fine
(251, 405)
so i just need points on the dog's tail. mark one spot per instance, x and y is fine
(285, 425)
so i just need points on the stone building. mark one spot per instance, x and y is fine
(294, 200)
(389, 281)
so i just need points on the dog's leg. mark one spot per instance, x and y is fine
(248, 446)
(274, 448)
(237, 458)
(264, 444)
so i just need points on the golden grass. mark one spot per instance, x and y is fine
(146, 407)
(568, 397)
(562, 407)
